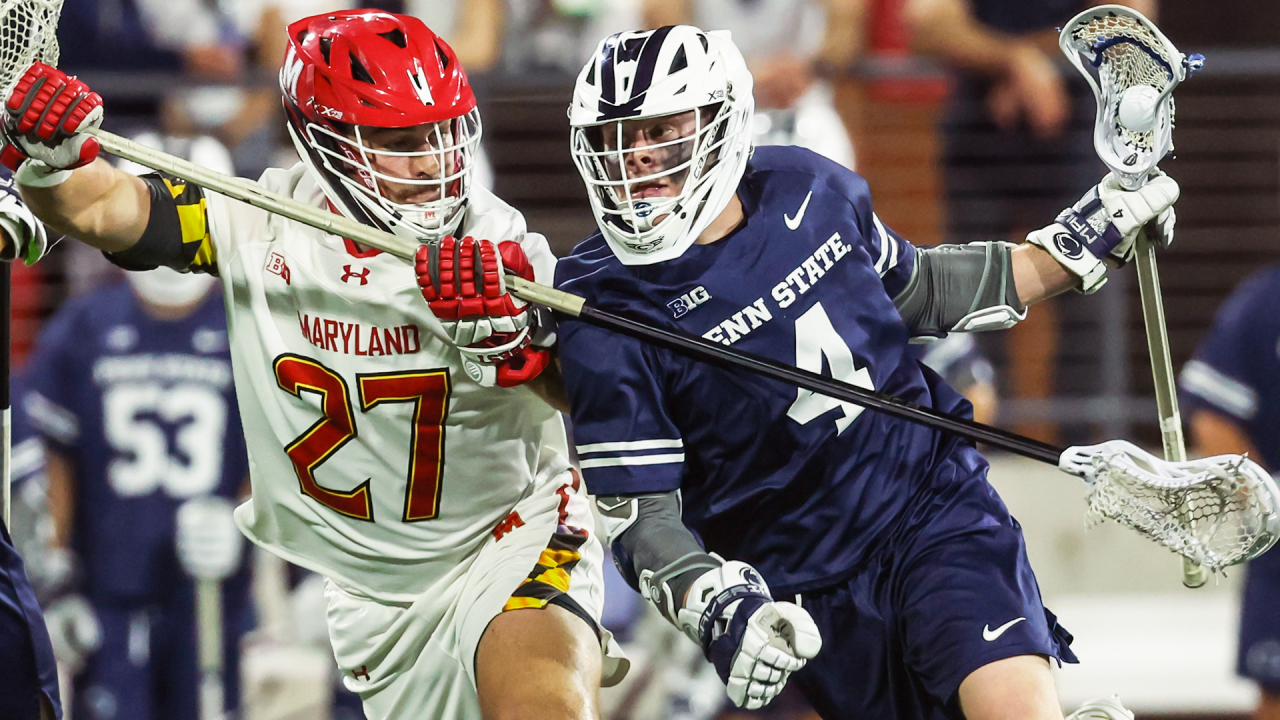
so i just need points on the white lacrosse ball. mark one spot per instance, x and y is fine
(1138, 107)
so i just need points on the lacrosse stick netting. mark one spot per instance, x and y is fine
(1218, 511)
(28, 32)
(1116, 49)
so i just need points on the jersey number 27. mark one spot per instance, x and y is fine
(428, 390)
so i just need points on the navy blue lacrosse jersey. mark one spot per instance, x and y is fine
(1236, 368)
(145, 409)
(800, 485)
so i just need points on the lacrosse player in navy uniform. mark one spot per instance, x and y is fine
(131, 390)
(1231, 397)
(783, 531)
(28, 673)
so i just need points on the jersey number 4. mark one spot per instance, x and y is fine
(428, 390)
(816, 340)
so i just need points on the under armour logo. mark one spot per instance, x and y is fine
(349, 273)
(509, 523)
(276, 266)
(364, 670)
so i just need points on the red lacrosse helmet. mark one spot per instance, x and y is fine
(356, 69)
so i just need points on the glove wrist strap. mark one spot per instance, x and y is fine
(34, 173)
(1073, 255)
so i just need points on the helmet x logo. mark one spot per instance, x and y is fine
(420, 86)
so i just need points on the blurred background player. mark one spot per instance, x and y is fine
(792, 48)
(1017, 147)
(959, 360)
(1231, 399)
(130, 389)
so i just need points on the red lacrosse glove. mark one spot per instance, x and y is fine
(462, 282)
(44, 117)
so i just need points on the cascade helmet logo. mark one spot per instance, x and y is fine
(1069, 246)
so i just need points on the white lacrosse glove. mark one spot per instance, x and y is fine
(1105, 709)
(74, 630)
(754, 642)
(209, 543)
(1104, 223)
(25, 235)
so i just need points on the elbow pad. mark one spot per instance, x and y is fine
(961, 288)
(656, 554)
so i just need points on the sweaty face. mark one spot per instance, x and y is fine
(655, 153)
(422, 154)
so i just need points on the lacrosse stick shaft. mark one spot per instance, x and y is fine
(209, 642)
(1175, 449)
(717, 354)
(254, 194)
(573, 305)
(6, 427)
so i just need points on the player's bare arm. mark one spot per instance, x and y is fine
(98, 205)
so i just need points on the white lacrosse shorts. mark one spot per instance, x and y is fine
(417, 660)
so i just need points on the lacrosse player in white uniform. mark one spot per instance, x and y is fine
(405, 452)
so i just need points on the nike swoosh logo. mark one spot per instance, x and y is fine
(793, 223)
(992, 635)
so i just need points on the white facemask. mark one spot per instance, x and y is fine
(169, 288)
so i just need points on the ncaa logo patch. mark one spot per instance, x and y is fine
(1069, 246)
(643, 209)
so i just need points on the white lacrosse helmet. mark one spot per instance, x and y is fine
(636, 76)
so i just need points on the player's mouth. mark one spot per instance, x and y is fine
(656, 188)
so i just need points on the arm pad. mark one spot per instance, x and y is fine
(177, 233)
(653, 549)
(961, 288)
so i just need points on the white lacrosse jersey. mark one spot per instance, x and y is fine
(374, 459)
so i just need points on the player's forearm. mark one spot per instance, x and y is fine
(61, 493)
(98, 205)
(1215, 434)
(844, 38)
(660, 13)
(1037, 276)
(947, 30)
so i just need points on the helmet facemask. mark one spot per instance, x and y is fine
(347, 159)
(637, 182)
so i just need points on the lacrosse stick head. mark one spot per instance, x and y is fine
(28, 33)
(1218, 511)
(1121, 53)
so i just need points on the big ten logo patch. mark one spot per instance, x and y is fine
(688, 301)
(276, 266)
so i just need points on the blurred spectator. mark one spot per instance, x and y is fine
(555, 36)
(130, 389)
(790, 47)
(1017, 148)
(961, 363)
(1231, 397)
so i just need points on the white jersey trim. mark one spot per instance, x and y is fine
(1200, 378)
(629, 446)
(634, 460)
